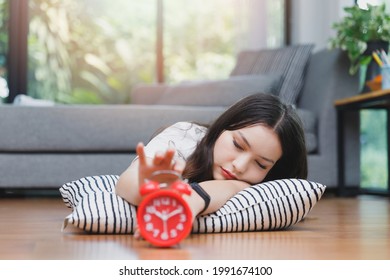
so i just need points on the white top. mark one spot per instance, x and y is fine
(182, 136)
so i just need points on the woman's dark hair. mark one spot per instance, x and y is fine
(262, 109)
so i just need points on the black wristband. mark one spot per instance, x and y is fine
(203, 194)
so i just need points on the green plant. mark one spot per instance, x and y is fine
(357, 28)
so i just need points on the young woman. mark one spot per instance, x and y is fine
(257, 139)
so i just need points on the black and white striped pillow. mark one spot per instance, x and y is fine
(267, 206)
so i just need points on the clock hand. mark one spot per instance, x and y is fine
(164, 235)
(173, 213)
(159, 214)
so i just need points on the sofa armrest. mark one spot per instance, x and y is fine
(147, 94)
(328, 80)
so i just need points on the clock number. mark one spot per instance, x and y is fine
(180, 226)
(173, 233)
(165, 201)
(183, 218)
(156, 232)
(149, 227)
(147, 218)
(157, 202)
(150, 209)
(164, 235)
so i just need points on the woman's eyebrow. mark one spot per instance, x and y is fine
(249, 145)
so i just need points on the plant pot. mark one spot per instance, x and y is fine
(369, 72)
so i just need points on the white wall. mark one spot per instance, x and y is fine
(312, 20)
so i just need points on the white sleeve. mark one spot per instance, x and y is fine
(183, 136)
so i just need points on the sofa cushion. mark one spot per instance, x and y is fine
(88, 128)
(309, 121)
(291, 62)
(223, 92)
(267, 206)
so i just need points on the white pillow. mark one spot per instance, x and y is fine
(267, 206)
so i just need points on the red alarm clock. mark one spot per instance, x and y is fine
(164, 217)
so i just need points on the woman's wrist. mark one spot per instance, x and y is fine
(202, 194)
(195, 202)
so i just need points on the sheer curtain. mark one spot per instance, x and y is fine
(260, 24)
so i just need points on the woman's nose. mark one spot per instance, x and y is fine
(240, 163)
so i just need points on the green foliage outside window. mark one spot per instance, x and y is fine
(96, 51)
(373, 163)
(3, 31)
(198, 41)
(84, 53)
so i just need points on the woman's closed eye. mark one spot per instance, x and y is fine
(238, 146)
(261, 165)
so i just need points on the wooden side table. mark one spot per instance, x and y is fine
(373, 100)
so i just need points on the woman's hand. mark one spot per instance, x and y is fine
(161, 161)
(142, 169)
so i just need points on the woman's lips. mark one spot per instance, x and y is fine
(227, 175)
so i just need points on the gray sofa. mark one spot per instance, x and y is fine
(42, 147)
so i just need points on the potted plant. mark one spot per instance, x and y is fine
(359, 29)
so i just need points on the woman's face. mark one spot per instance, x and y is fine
(246, 154)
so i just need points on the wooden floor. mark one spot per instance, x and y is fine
(337, 228)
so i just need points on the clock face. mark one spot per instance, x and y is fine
(164, 218)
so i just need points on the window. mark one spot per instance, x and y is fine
(4, 92)
(95, 51)
(84, 51)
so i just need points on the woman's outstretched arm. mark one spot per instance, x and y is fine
(220, 191)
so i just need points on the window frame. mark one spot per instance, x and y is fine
(17, 48)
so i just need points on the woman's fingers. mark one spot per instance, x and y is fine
(169, 155)
(161, 160)
(141, 153)
(158, 158)
(164, 159)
